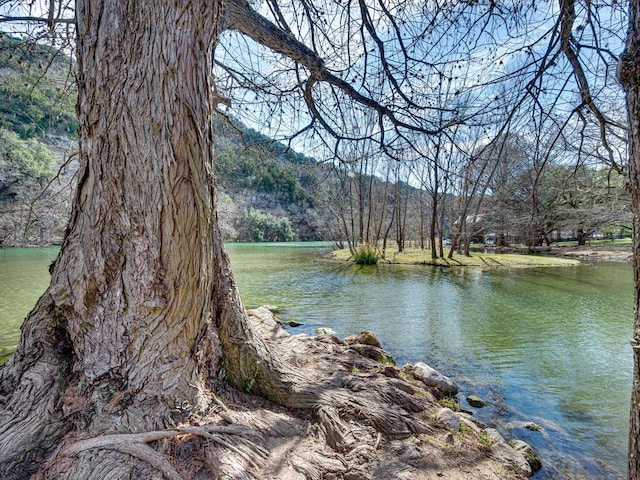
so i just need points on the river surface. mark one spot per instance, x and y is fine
(547, 345)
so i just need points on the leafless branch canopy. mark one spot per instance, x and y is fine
(315, 68)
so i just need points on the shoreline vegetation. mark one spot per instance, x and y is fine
(558, 255)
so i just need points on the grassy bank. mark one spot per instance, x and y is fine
(416, 256)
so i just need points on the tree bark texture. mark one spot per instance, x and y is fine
(136, 275)
(126, 332)
(130, 334)
(629, 76)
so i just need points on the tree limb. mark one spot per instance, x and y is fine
(238, 15)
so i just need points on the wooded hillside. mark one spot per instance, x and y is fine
(256, 176)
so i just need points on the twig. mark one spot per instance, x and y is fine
(377, 444)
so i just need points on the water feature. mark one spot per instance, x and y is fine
(545, 345)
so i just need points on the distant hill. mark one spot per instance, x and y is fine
(37, 94)
(266, 191)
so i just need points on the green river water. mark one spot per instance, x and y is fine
(544, 345)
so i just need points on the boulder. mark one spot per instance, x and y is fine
(449, 419)
(510, 456)
(529, 454)
(504, 452)
(432, 378)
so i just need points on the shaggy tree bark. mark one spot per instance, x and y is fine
(629, 76)
(129, 333)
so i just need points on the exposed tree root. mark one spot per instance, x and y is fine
(346, 416)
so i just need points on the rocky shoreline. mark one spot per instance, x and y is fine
(451, 443)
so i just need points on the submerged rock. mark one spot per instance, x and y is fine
(534, 427)
(476, 401)
(432, 378)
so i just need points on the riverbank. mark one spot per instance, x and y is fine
(594, 253)
(559, 255)
(525, 340)
(372, 419)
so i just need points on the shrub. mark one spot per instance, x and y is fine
(20, 159)
(366, 254)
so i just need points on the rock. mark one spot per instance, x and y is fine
(450, 439)
(473, 423)
(328, 338)
(433, 378)
(529, 454)
(512, 457)
(363, 338)
(390, 371)
(372, 352)
(534, 427)
(449, 419)
(476, 401)
(293, 323)
(507, 454)
(494, 436)
(471, 418)
(325, 331)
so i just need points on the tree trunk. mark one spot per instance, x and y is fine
(432, 223)
(141, 301)
(629, 76)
